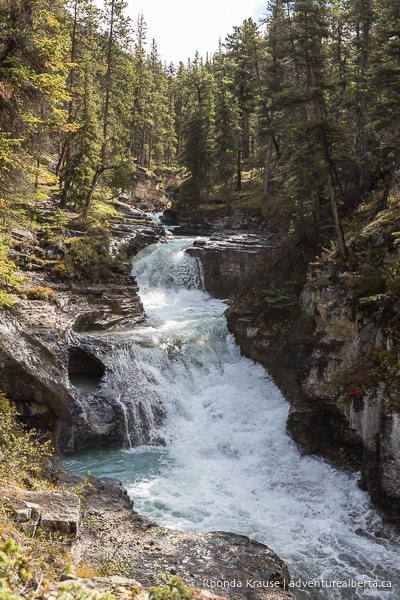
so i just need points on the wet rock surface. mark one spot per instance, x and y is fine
(231, 258)
(224, 563)
(37, 337)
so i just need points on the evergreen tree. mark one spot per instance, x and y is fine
(81, 144)
(117, 38)
(225, 133)
(361, 20)
(142, 77)
(33, 75)
(243, 48)
(385, 91)
(196, 154)
(314, 142)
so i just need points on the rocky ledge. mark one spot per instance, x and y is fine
(114, 537)
(105, 535)
(230, 259)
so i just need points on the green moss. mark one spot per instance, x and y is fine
(344, 401)
(87, 258)
(60, 271)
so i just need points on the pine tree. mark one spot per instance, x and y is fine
(117, 38)
(139, 92)
(314, 136)
(225, 130)
(33, 75)
(385, 91)
(361, 17)
(196, 153)
(242, 49)
(80, 143)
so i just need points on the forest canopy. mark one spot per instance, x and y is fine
(306, 101)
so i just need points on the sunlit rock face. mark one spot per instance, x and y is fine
(222, 563)
(150, 192)
(231, 259)
(56, 364)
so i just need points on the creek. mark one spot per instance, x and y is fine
(220, 458)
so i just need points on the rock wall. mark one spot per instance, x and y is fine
(205, 225)
(230, 260)
(45, 343)
(319, 354)
(36, 339)
(341, 373)
(151, 192)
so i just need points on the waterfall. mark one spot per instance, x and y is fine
(209, 448)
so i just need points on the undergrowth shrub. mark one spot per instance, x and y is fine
(24, 459)
(88, 258)
(8, 276)
(174, 590)
(40, 293)
(19, 581)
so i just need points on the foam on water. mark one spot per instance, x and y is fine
(227, 463)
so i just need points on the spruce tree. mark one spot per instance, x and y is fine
(384, 94)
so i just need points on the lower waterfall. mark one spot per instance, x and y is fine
(216, 455)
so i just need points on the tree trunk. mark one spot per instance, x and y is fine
(150, 147)
(108, 88)
(336, 217)
(90, 193)
(238, 172)
(268, 157)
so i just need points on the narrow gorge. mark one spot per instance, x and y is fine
(140, 380)
(224, 425)
(199, 303)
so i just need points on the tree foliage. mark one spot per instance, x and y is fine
(23, 458)
(306, 101)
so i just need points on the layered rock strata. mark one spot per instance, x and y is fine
(40, 338)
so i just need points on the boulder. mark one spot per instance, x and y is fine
(54, 510)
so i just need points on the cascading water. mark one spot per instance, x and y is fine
(223, 459)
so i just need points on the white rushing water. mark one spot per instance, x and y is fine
(227, 463)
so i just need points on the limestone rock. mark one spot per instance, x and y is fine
(230, 260)
(53, 510)
(37, 338)
(219, 562)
